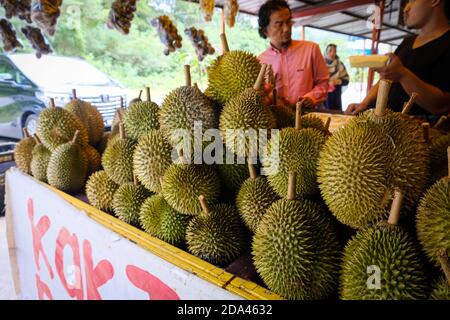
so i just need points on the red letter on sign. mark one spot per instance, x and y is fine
(37, 232)
(75, 285)
(42, 289)
(156, 289)
(98, 276)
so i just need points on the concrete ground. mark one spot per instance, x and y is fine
(6, 285)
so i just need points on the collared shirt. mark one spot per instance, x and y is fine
(300, 71)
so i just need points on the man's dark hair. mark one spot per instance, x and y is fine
(266, 10)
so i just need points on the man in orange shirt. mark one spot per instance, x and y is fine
(301, 73)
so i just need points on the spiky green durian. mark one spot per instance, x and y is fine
(39, 163)
(441, 290)
(94, 159)
(128, 200)
(285, 116)
(438, 158)
(23, 153)
(100, 191)
(232, 175)
(162, 221)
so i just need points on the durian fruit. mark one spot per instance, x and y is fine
(128, 200)
(57, 125)
(441, 287)
(312, 121)
(23, 152)
(433, 218)
(438, 158)
(298, 151)
(217, 234)
(243, 116)
(94, 159)
(117, 160)
(232, 175)
(295, 249)
(39, 163)
(230, 74)
(67, 166)
(284, 115)
(184, 183)
(162, 221)
(141, 117)
(182, 109)
(118, 118)
(151, 158)
(89, 116)
(254, 198)
(135, 100)
(100, 191)
(383, 262)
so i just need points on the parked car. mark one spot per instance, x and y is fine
(28, 83)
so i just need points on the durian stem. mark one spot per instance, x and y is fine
(75, 137)
(74, 94)
(298, 115)
(119, 112)
(394, 215)
(135, 180)
(252, 171)
(36, 138)
(292, 181)
(140, 94)
(327, 124)
(426, 132)
(274, 96)
(260, 79)
(52, 103)
(382, 97)
(445, 263)
(440, 122)
(204, 205)
(448, 161)
(187, 73)
(121, 130)
(225, 47)
(147, 89)
(181, 156)
(26, 133)
(410, 103)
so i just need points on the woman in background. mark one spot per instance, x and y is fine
(338, 78)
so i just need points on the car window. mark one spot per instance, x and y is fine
(17, 76)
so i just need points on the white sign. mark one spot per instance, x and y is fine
(61, 253)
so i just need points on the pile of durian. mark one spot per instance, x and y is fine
(360, 214)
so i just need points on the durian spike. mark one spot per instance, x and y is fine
(52, 103)
(298, 115)
(74, 94)
(147, 90)
(445, 263)
(407, 107)
(292, 182)
(440, 122)
(75, 137)
(36, 138)
(26, 133)
(122, 131)
(327, 124)
(252, 170)
(448, 161)
(382, 97)
(187, 73)
(426, 132)
(260, 79)
(274, 97)
(223, 40)
(394, 215)
(204, 205)
(121, 102)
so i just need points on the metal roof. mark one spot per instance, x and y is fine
(342, 16)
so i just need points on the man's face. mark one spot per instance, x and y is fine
(417, 13)
(279, 29)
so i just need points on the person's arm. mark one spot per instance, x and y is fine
(430, 98)
(321, 76)
(371, 97)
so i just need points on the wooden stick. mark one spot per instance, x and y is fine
(74, 94)
(327, 124)
(252, 170)
(121, 130)
(292, 183)
(147, 90)
(225, 47)
(445, 263)
(440, 122)
(75, 137)
(26, 133)
(394, 215)
(52, 103)
(204, 204)
(260, 79)
(426, 132)
(410, 103)
(187, 73)
(36, 138)
(298, 115)
(223, 20)
(382, 97)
